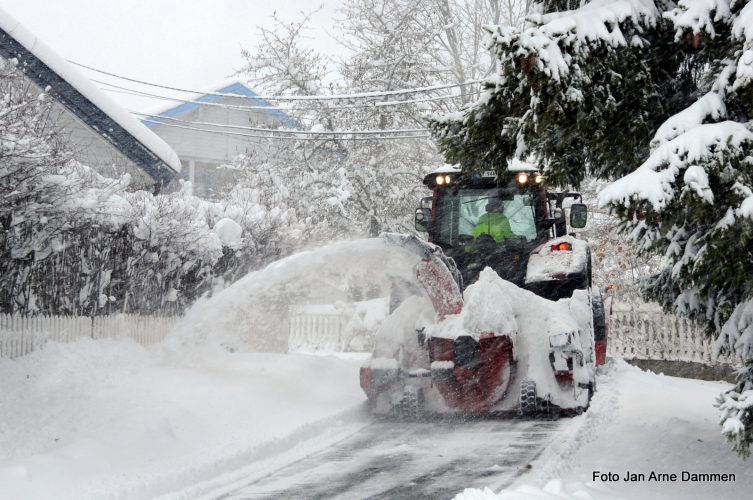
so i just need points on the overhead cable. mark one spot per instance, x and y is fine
(361, 95)
(159, 119)
(366, 105)
(319, 137)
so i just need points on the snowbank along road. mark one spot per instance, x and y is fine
(410, 460)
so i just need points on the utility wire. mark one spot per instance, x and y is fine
(158, 119)
(321, 135)
(362, 95)
(367, 105)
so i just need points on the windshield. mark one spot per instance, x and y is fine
(465, 212)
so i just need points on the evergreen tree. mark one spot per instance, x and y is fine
(657, 95)
(566, 84)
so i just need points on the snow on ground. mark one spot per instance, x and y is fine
(111, 419)
(640, 423)
(189, 418)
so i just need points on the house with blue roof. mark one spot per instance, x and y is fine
(201, 131)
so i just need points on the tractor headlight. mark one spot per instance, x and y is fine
(522, 178)
(443, 180)
(538, 178)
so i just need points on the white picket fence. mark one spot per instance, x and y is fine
(336, 327)
(633, 334)
(653, 335)
(21, 335)
(317, 332)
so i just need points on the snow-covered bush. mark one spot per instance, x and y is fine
(736, 412)
(36, 180)
(75, 242)
(103, 250)
(617, 260)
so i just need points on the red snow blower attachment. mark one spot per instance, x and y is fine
(471, 375)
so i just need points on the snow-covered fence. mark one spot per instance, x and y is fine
(21, 335)
(317, 332)
(336, 327)
(645, 333)
(143, 329)
(653, 335)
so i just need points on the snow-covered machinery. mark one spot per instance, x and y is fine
(504, 318)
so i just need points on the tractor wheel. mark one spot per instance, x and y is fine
(528, 402)
(591, 389)
(410, 407)
(589, 271)
(548, 410)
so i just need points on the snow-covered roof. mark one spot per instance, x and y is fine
(515, 165)
(79, 95)
(232, 89)
(447, 169)
(518, 165)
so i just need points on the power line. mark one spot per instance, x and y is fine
(362, 95)
(370, 105)
(322, 135)
(380, 104)
(139, 93)
(159, 118)
(367, 105)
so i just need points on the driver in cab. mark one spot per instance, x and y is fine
(493, 222)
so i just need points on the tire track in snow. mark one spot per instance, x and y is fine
(434, 459)
(263, 459)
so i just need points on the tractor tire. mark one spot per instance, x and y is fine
(410, 407)
(589, 272)
(579, 410)
(528, 402)
(549, 411)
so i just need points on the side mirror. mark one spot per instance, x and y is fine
(421, 221)
(578, 215)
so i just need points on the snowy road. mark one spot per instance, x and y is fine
(410, 460)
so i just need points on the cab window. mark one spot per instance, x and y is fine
(459, 212)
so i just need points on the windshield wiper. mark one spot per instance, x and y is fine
(477, 199)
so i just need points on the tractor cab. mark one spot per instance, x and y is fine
(482, 219)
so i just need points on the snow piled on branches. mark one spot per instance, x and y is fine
(655, 180)
(596, 22)
(560, 84)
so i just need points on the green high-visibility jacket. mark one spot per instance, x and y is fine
(495, 225)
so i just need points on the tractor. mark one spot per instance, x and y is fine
(517, 326)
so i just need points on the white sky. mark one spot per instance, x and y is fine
(184, 43)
